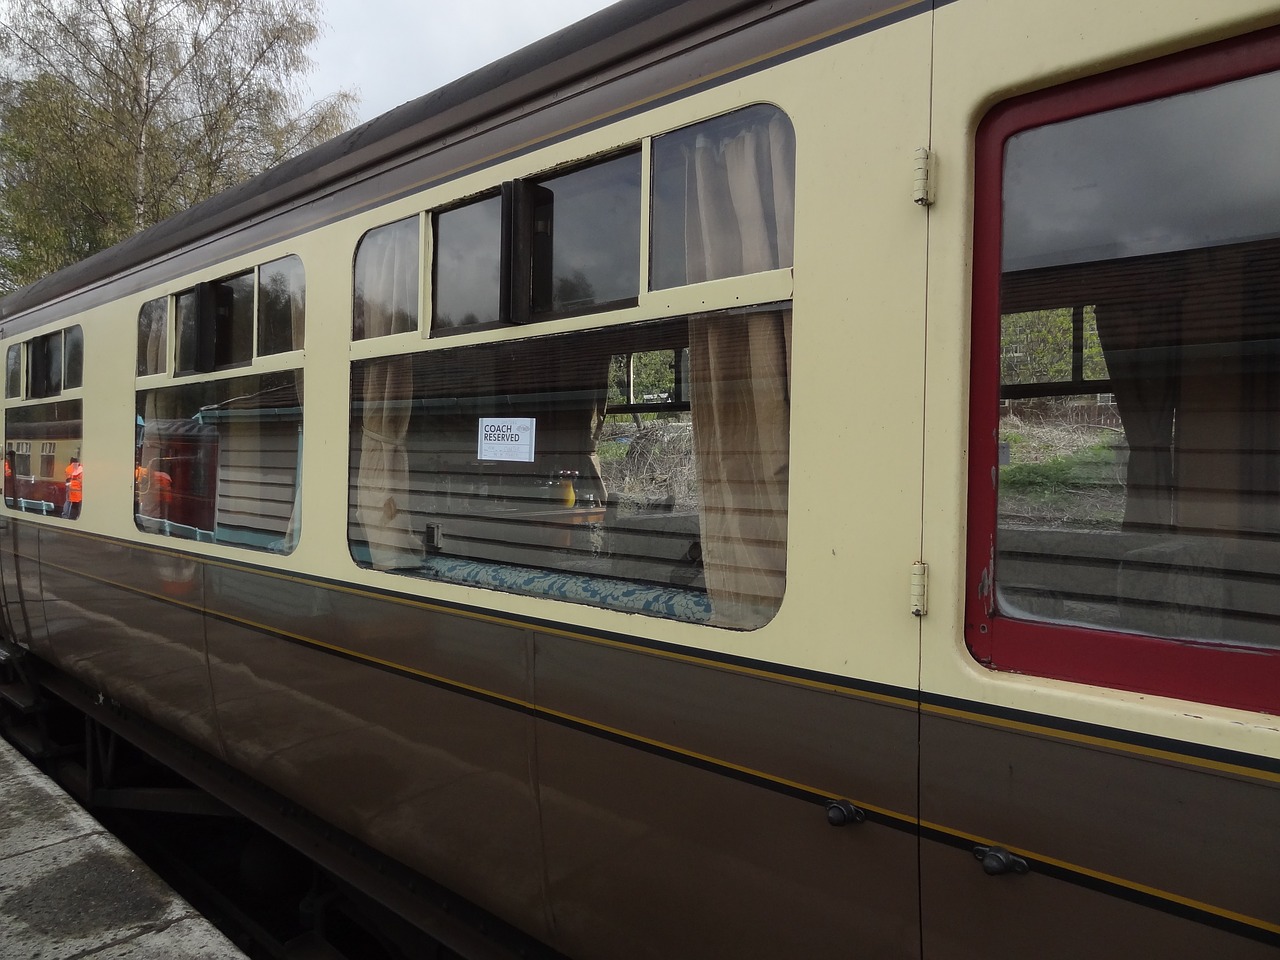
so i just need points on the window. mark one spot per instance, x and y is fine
(218, 461)
(468, 266)
(387, 281)
(701, 229)
(215, 325)
(13, 372)
(153, 337)
(44, 365)
(583, 234)
(54, 362)
(555, 246)
(281, 306)
(220, 322)
(55, 484)
(22, 457)
(73, 350)
(1127, 366)
(569, 466)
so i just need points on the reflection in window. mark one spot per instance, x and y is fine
(220, 322)
(530, 467)
(55, 361)
(219, 461)
(281, 306)
(215, 325)
(188, 330)
(44, 365)
(1140, 358)
(46, 483)
(387, 281)
(153, 337)
(73, 351)
(13, 371)
(584, 237)
(231, 300)
(723, 198)
(468, 266)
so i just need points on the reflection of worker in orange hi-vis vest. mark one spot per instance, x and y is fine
(163, 484)
(75, 489)
(140, 486)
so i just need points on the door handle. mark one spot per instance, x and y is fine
(998, 860)
(841, 813)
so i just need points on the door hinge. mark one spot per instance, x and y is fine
(919, 589)
(924, 187)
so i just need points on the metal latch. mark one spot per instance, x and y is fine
(919, 589)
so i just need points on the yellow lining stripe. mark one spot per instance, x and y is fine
(1154, 892)
(1154, 753)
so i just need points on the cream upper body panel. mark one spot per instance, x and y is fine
(857, 293)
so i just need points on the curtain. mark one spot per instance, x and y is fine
(387, 287)
(297, 326)
(591, 376)
(739, 196)
(740, 200)
(155, 321)
(1139, 341)
(741, 416)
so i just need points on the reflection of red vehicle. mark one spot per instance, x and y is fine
(176, 478)
(36, 459)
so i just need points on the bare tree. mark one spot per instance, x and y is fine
(115, 114)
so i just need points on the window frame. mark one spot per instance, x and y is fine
(1242, 677)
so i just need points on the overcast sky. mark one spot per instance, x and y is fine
(391, 51)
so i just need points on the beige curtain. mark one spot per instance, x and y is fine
(739, 197)
(387, 282)
(298, 326)
(741, 418)
(740, 201)
(1139, 343)
(155, 317)
(589, 429)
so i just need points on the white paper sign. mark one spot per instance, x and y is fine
(506, 438)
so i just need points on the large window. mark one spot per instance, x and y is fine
(572, 466)
(218, 461)
(1127, 385)
(42, 469)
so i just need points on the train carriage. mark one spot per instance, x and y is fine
(731, 479)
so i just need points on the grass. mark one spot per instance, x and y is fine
(1062, 472)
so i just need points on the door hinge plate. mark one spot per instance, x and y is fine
(919, 589)
(924, 186)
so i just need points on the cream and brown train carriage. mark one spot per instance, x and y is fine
(731, 479)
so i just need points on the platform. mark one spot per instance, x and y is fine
(70, 889)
